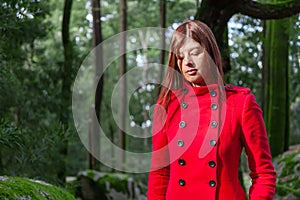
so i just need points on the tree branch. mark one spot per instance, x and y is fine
(279, 10)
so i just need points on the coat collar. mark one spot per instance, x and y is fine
(189, 90)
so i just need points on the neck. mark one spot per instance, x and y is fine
(195, 85)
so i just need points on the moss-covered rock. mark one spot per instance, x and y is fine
(287, 167)
(17, 188)
(108, 186)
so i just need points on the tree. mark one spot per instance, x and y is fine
(123, 96)
(98, 82)
(294, 65)
(276, 83)
(162, 9)
(66, 81)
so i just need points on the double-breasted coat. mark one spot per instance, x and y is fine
(197, 146)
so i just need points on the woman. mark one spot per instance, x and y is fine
(201, 126)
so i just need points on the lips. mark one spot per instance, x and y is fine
(191, 71)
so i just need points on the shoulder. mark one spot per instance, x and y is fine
(238, 96)
(237, 89)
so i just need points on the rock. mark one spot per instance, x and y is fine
(108, 186)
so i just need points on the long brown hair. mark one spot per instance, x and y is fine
(202, 34)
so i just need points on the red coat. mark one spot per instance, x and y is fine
(196, 153)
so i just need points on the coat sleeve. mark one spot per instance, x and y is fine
(159, 171)
(256, 144)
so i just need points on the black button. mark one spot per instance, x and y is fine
(184, 105)
(212, 142)
(181, 162)
(211, 163)
(213, 93)
(212, 183)
(185, 90)
(181, 182)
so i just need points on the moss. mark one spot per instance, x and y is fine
(14, 188)
(119, 182)
(71, 186)
(90, 174)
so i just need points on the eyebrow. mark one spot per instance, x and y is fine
(191, 49)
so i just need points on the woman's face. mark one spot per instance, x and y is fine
(193, 62)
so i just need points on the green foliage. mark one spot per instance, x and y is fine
(34, 152)
(295, 77)
(15, 188)
(10, 135)
(288, 171)
(245, 41)
(179, 11)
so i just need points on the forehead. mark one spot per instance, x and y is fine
(189, 45)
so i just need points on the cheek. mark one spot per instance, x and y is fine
(201, 62)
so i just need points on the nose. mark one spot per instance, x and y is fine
(187, 61)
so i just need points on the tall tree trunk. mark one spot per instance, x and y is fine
(276, 83)
(66, 83)
(94, 138)
(163, 13)
(123, 88)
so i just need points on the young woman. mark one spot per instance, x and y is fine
(201, 126)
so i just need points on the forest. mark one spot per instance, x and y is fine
(79, 81)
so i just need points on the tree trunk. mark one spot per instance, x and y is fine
(123, 96)
(94, 139)
(276, 84)
(66, 83)
(163, 13)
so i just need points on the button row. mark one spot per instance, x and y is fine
(183, 124)
(213, 106)
(180, 143)
(211, 183)
(182, 162)
(212, 93)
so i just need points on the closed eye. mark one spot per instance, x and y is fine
(196, 52)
